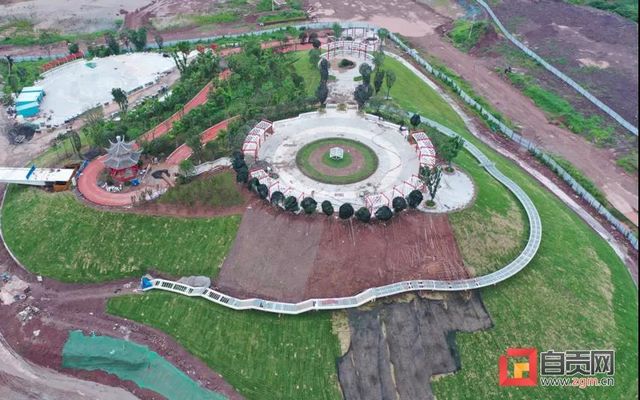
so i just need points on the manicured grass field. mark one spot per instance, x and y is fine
(54, 235)
(263, 356)
(219, 190)
(369, 167)
(494, 229)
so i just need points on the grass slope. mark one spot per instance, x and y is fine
(219, 190)
(262, 355)
(56, 236)
(494, 230)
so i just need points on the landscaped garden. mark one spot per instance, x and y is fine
(576, 293)
(357, 162)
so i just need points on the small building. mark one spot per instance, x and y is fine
(28, 110)
(122, 160)
(28, 97)
(33, 89)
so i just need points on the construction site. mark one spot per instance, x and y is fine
(294, 200)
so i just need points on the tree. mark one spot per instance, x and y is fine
(179, 55)
(324, 70)
(450, 149)
(362, 94)
(252, 185)
(309, 205)
(112, 43)
(187, 168)
(382, 34)
(431, 179)
(337, 30)
(291, 204)
(76, 142)
(263, 191)
(398, 204)
(378, 79)
(159, 40)
(314, 56)
(138, 38)
(345, 211)
(316, 43)
(46, 38)
(125, 39)
(313, 36)
(415, 120)
(327, 208)
(415, 198)
(378, 58)
(365, 72)
(391, 79)
(303, 37)
(120, 97)
(384, 213)
(9, 59)
(242, 174)
(277, 198)
(73, 48)
(363, 214)
(322, 92)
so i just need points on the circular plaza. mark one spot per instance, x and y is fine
(376, 157)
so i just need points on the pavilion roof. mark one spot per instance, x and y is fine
(121, 154)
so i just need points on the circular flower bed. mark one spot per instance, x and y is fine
(358, 162)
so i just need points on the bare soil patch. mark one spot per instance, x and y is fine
(290, 258)
(397, 348)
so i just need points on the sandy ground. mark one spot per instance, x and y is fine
(69, 15)
(397, 348)
(74, 87)
(285, 257)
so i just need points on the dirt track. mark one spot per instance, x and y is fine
(290, 258)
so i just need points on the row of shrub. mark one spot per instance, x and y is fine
(346, 211)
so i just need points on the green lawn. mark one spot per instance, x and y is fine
(219, 190)
(308, 71)
(262, 355)
(369, 167)
(494, 230)
(55, 235)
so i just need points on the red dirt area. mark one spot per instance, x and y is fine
(315, 160)
(279, 256)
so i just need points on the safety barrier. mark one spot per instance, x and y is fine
(626, 124)
(515, 266)
(577, 187)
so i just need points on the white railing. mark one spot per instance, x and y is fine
(515, 266)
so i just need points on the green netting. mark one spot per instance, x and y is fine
(130, 361)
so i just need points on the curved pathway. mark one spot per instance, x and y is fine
(515, 266)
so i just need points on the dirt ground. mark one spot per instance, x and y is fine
(598, 49)
(291, 258)
(397, 348)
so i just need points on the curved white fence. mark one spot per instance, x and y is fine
(515, 266)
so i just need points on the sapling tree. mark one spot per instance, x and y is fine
(431, 179)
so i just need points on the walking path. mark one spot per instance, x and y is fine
(515, 266)
(87, 182)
